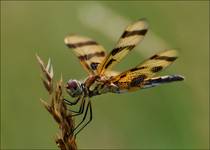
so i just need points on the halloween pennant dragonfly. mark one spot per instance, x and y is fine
(98, 65)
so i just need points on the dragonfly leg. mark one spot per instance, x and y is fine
(71, 103)
(88, 108)
(81, 108)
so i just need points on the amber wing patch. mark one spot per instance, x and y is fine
(136, 76)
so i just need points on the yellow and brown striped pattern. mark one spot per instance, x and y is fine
(135, 77)
(89, 52)
(133, 34)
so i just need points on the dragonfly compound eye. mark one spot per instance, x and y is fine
(71, 84)
(73, 88)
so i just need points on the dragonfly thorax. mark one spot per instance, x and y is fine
(74, 88)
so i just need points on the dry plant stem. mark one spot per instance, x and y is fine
(65, 140)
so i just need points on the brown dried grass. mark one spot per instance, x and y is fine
(56, 107)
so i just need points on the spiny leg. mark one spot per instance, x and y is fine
(72, 103)
(82, 104)
(90, 119)
(84, 117)
(81, 109)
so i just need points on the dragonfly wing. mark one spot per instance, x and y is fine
(133, 34)
(89, 52)
(136, 77)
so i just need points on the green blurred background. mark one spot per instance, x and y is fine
(173, 116)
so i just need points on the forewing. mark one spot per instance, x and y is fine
(89, 52)
(135, 77)
(133, 34)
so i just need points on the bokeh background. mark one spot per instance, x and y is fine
(173, 116)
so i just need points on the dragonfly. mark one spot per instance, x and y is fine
(102, 79)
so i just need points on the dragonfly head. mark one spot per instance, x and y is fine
(74, 88)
